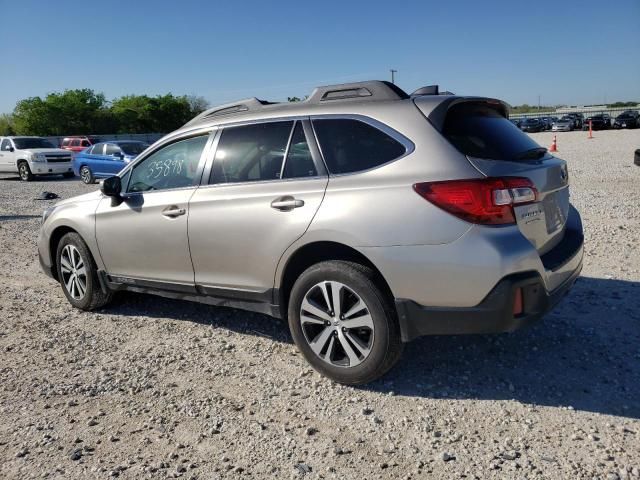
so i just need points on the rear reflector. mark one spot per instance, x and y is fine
(518, 304)
(486, 201)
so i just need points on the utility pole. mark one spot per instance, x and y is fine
(393, 75)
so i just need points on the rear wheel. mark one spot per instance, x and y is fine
(86, 175)
(343, 323)
(25, 172)
(78, 274)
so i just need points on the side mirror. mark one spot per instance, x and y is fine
(11, 149)
(111, 187)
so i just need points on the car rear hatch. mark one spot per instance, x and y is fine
(480, 129)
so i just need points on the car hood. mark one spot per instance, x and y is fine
(58, 151)
(87, 197)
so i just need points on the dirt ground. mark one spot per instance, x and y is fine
(155, 388)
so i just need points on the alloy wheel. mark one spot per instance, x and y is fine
(337, 324)
(24, 172)
(74, 272)
(85, 175)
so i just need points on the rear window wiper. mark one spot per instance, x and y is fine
(533, 154)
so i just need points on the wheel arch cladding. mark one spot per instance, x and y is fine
(316, 252)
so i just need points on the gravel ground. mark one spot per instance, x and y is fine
(154, 388)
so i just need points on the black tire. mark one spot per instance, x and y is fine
(93, 296)
(86, 175)
(68, 175)
(386, 347)
(25, 172)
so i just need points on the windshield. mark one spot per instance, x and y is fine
(133, 148)
(479, 130)
(23, 143)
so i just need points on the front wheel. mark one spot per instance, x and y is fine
(25, 172)
(78, 274)
(343, 322)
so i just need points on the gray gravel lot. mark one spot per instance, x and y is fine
(154, 388)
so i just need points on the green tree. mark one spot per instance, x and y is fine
(163, 113)
(6, 124)
(74, 112)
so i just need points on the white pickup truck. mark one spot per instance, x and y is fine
(29, 156)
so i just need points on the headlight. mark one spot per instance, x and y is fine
(38, 157)
(47, 213)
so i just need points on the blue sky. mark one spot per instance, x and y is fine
(566, 51)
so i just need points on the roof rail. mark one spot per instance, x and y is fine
(371, 90)
(229, 108)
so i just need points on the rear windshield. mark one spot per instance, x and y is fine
(480, 130)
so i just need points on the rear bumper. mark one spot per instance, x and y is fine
(493, 315)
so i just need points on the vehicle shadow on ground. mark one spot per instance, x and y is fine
(239, 321)
(8, 218)
(584, 355)
(42, 179)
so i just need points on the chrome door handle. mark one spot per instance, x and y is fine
(286, 203)
(173, 212)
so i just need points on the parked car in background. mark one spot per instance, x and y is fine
(77, 144)
(565, 124)
(578, 120)
(547, 122)
(516, 121)
(325, 213)
(531, 125)
(29, 156)
(105, 159)
(598, 122)
(627, 119)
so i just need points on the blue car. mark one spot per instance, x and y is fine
(105, 159)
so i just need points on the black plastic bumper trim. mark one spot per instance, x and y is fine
(493, 315)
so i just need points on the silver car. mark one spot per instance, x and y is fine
(562, 125)
(364, 216)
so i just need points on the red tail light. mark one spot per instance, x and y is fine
(487, 201)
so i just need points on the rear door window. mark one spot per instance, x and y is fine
(350, 145)
(481, 131)
(112, 149)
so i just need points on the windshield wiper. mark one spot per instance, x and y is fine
(533, 154)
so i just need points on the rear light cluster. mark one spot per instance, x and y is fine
(486, 201)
